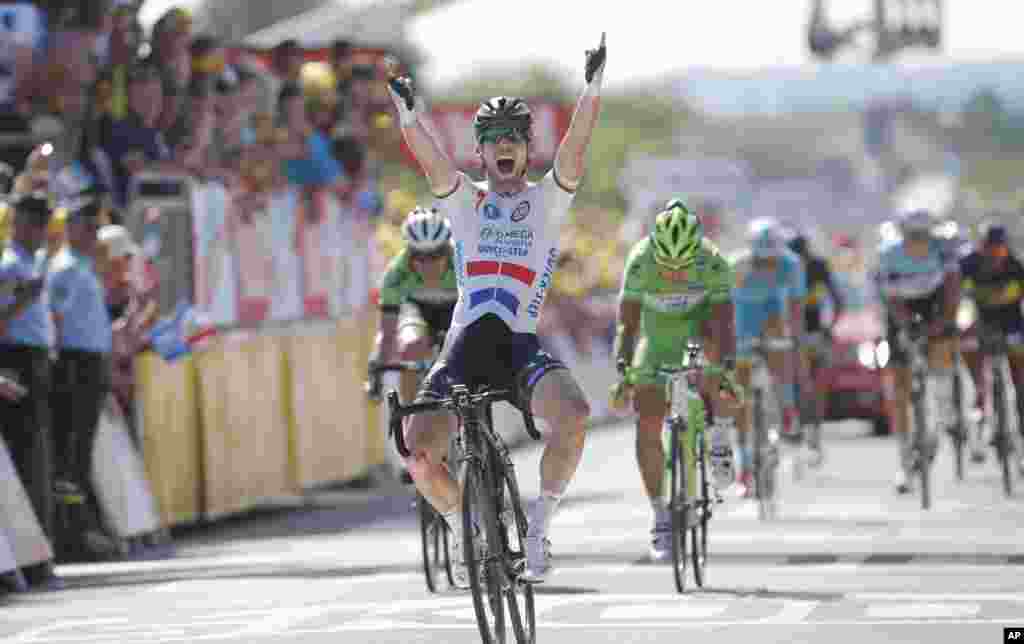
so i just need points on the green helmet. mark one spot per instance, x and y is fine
(676, 236)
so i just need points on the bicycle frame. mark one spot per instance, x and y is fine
(765, 448)
(994, 348)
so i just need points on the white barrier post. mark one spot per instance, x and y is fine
(119, 477)
(18, 520)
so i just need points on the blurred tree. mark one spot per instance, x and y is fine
(235, 19)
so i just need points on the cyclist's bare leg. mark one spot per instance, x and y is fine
(426, 436)
(970, 351)
(413, 345)
(649, 403)
(559, 401)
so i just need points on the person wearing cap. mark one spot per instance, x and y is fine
(26, 339)
(993, 277)
(131, 311)
(81, 374)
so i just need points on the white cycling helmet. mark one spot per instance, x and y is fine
(426, 231)
(916, 221)
(764, 235)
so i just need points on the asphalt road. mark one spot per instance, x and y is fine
(846, 561)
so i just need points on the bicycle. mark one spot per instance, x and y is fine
(490, 497)
(434, 535)
(765, 450)
(957, 429)
(686, 410)
(914, 340)
(994, 346)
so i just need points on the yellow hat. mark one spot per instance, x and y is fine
(57, 221)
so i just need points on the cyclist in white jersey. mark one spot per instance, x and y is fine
(506, 232)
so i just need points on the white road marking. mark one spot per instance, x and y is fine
(921, 610)
(793, 612)
(664, 610)
(935, 597)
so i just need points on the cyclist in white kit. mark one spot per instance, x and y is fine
(506, 230)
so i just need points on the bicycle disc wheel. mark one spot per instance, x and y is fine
(432, 542)
(677, 504)
(1003, 446)
(485, 574)
(513, 526)
(699, 532)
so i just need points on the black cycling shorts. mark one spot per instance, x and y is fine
(489, 354)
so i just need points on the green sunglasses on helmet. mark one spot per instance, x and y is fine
(676, 236)
(495, 134)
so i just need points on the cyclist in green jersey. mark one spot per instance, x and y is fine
(417, 295)
(676, 287)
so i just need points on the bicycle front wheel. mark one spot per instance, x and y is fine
(512, 527)
(433, 544)
(677, 504)
(1004, 446)
(921, 457)
(699, 532)
(764, 469)
(482, 544)
(958, 430)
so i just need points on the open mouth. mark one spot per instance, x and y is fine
(506, 166)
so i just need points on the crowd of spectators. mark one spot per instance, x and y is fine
(99, 101)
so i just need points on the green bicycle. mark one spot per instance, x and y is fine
(692, 498)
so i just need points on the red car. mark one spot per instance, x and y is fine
(854, 378)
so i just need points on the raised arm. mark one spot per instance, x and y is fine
(570, 158)
(420, 135)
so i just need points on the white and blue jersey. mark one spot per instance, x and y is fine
(761, 294)
(906, 277)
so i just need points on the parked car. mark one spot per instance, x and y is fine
(854, 378)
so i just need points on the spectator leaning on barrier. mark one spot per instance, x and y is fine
(135, 143)
(133, 312)
(26, 339)
(81, 380)
(307, 154)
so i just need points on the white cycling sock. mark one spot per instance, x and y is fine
(660, 508)
(541, 513)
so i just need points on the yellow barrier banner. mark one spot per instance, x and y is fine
(328, 403)
(171, 439)
(244, 411)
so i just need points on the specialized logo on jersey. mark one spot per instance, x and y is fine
(675, 302)
(521, 212)
(542, 286)
(492, 212)
(506, 298)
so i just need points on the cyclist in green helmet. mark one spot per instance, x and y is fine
(676, 287)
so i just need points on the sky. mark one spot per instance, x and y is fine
(650, 38)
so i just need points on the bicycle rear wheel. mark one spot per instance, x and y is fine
(432, 542)
(484, 566)
(513, 526)
(699, 532)
(677, 503)
(1004, 447)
